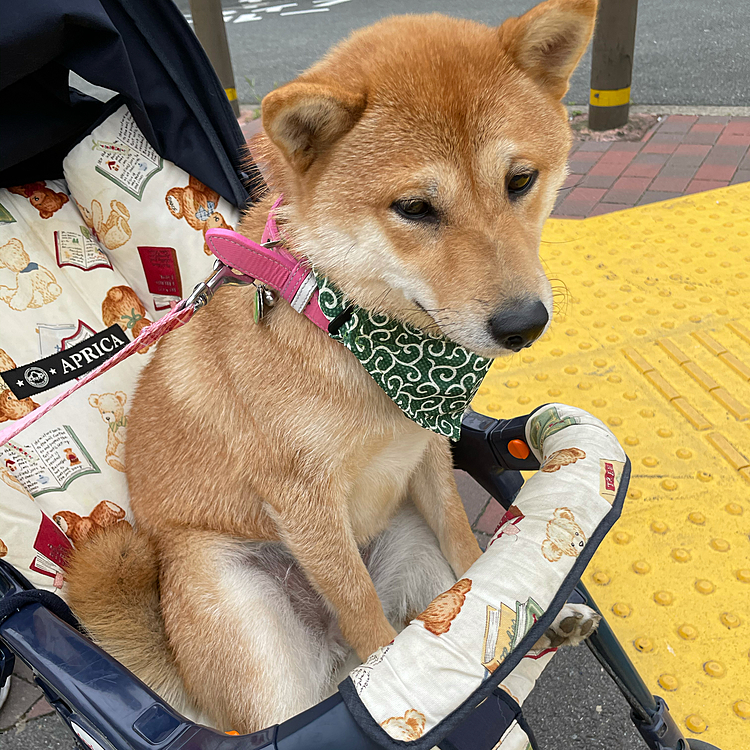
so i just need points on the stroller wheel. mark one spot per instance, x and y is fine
(700, 745)
(4, 691)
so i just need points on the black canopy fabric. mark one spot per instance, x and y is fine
(142, 49)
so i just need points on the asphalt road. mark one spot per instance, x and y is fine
(689, 52)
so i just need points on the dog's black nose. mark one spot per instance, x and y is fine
(519, 323)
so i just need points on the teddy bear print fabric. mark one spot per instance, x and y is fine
(98, 249)
(466, 634)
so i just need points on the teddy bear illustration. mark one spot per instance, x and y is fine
(44, 199)
(564, 536)
(35, 285)
(410, 726)
(112, 409)
(70, 455)
(443, 609)
(113, 232)
(3, 548)
(122, 306)
(197, 204)
(562, 458)
(80, 528)
(10, 406)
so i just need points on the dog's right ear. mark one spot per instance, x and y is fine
(304, 119)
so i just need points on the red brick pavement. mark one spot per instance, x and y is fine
(682, 154)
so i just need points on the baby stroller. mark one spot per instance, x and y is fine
(146, 54)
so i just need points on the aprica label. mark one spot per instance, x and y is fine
(65, 365)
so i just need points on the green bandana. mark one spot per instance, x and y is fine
(430, 378)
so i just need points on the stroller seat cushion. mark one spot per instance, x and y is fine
(114, 243)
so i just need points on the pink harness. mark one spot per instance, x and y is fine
(239, 261)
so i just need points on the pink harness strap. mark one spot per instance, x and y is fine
(272, 265)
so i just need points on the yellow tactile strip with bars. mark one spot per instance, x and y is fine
(654, 338)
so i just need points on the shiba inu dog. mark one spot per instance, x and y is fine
(287, 511)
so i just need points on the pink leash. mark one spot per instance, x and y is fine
(240, 261)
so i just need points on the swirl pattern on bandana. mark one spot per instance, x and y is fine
(430, 378)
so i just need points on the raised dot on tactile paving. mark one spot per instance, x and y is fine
(697, 518)
(621, 537)
(664, 432)
(730, 620)
(720, 545)
(557, 352)
(704, 586)
(620, 609)
(583, 386)
(644, 645)
(696, 724)
(635, 494)
(600, 402)
(743, 574)
(680, 555)
(600, 363)
(664, 598)
(734, 509)
(649, 461)
(614, 421)
(641, 567)
(554, 391)
(668, 682)
(614, 379)
(704, 476)
(646, 413)
(659, 527)
(668, 484)
(512, 383)
(524, 400)
(630, 395)
(683, 453)
(687, 632)
(600, 578)
(742, 709)
(570, 370)
(541, 376)
(714, 669)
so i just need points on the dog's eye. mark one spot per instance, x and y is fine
(415, 209)
(520, 183)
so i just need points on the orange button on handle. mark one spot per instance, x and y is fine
(518, 449)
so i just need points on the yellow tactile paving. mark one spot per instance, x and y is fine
(652, 336)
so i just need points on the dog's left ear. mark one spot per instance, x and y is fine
(304, 119)
(549, 40)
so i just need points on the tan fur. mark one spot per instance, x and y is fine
(275, 432)
(3, 548)
(437, 618)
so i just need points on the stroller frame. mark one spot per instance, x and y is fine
(106, 706)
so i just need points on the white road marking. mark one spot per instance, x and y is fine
(278, 8)
(248, 17)
(327, 3)
(300, 12)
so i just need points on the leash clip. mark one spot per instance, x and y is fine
(222, 274)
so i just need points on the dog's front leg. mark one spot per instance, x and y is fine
(324, 545)
(433, 491)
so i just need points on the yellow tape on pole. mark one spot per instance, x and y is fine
(611, 98)
(231, 94)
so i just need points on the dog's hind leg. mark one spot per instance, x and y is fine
(250, 653)
(407, 566)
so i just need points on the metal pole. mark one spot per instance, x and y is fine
(612, 64)
(208, 24)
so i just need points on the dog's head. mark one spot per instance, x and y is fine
(419, 161)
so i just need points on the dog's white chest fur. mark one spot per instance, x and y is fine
(380, 486)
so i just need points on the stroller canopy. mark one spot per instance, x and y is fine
(143, 51)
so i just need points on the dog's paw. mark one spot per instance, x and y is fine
(573, 625)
